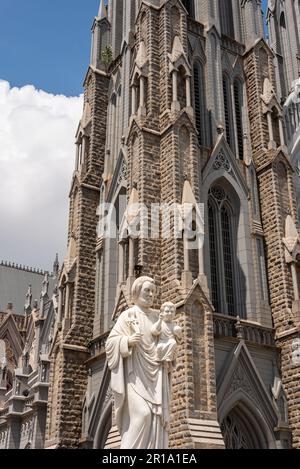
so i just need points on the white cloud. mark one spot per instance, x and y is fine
(37, 151)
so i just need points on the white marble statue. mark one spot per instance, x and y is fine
(140, 383)
(168, 332)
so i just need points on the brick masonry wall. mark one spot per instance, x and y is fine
(68, 372)
(273, 221)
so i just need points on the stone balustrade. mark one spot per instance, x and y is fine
(228, 326)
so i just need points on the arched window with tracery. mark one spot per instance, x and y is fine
(222, 244)
(235, 433)
(199, 101)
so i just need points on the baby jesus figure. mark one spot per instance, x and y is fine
(169, 334)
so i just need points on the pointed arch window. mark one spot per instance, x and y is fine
(175, 22)
(238, 104)
(200, 105)
(214, 56)
(227, 110)
(262, 268)
(190, 7)
(285, 51)
(275, 125)
(181, 87)
(255, 196)
(222, 242)
(226, 18)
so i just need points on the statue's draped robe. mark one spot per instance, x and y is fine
(167, 344)
(139, 383)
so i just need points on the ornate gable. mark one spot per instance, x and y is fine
(122, 302)
(119, 177)
(197, 49)
(11, 335)
(223, 163)
(197, 294)
(241, 381)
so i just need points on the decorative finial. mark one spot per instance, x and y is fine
(239, 328)
(27, 306)
(45, 286)
(56, 266)
(102, 13)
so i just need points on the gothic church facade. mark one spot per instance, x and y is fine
(185, 102)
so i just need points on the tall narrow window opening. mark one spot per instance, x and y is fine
(227, 110)
(222, 246)
(238, 103)
(200, 106)
(190, 7)
(226, 16)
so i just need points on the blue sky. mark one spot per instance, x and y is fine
(46, 43)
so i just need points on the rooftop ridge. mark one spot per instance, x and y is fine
(24, 268)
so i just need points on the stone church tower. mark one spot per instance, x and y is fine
(181, 107)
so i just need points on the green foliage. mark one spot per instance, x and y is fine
(107, 56)
(88, 343)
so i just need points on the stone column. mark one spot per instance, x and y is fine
(188, 91)
(270, 128)
(175, 104)
(142, 107)
(60, 311)
(77, 156)
(131, 276)
(131, 257)
(186, 276)
(281, 132)
(83, 149)
(201, 258)
(142, 91)
(67, 312)
(80, 154)
(174, 81)
(133, 100)
(121, 262)
(295, 281)
(186, 254)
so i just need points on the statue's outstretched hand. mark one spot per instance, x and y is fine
(135, 339)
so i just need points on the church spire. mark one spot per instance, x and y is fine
(100, 36)
(56, 266)
(27, 306)
(102, 13)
